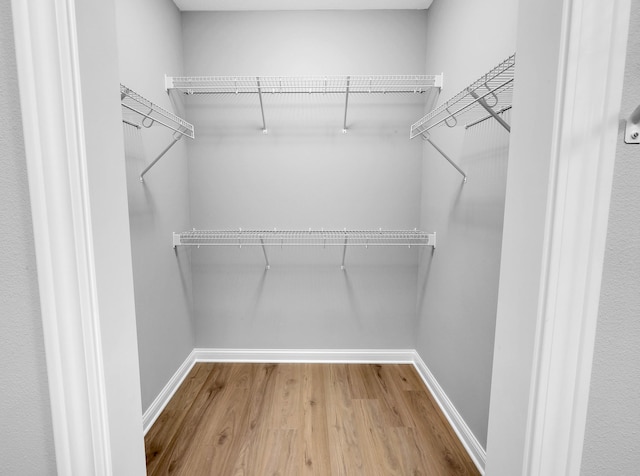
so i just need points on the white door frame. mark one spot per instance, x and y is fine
(77, 183)
(565, 119)
(50, 94)
(584, 147)
(53, 130)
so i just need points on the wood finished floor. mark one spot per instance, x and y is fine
(303, 419)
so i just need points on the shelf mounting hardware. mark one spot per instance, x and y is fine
(264, 250)
(153, 162)
(344, 251)
(449, 159)
(264, 124)
(346, 105)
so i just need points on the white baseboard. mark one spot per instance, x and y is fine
(350, 356)
(467, 438)
(154, 410)
(353, 356)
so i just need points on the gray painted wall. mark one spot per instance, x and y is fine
(458, 284)
(148, 50)
(612, 439)
(26, 437)
(106, 176)
(304, 174)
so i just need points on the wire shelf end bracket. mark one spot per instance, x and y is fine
(492, 94)
(151, 114)
(493, 90)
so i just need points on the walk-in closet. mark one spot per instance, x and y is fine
(317, 185)
(320, 237)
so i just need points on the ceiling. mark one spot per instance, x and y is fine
(222, 5)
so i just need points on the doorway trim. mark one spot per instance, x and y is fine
(53, 124)
(583, 158)
(562, 155)
(46, 50)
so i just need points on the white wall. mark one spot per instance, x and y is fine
(612, 438)
(98, 68)
(26, 437)
(458, 284)
(304, 173)
(149, 46)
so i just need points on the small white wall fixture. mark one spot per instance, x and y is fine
(632, 127)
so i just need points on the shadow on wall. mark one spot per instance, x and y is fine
(304, 300)
(256, 297)
(311, 118)
(424, 270)
(142, 209)
(182, 259)
(352, 299)
(469, 228)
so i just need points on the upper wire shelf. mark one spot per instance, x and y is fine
(378, 84)
(152, 113)
(304, 237)
(261, 85)
(493, 89)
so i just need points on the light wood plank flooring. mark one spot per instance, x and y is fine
(303, 419)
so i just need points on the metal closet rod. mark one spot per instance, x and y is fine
(309, 237)
(260, 85)
(151, 114)
(487, 117)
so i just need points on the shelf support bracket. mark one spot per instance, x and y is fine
(175, 139)
(344, 251)
(490, 110)
(264, 124)
(264, 250)
(346, 106)
(443, 154)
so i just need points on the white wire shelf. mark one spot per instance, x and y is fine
(303, 238)
(347, 85)
(494, 89)
(265, 238)
(150, 114)
(373, 84)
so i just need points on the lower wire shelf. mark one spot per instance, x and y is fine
(309, 237)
